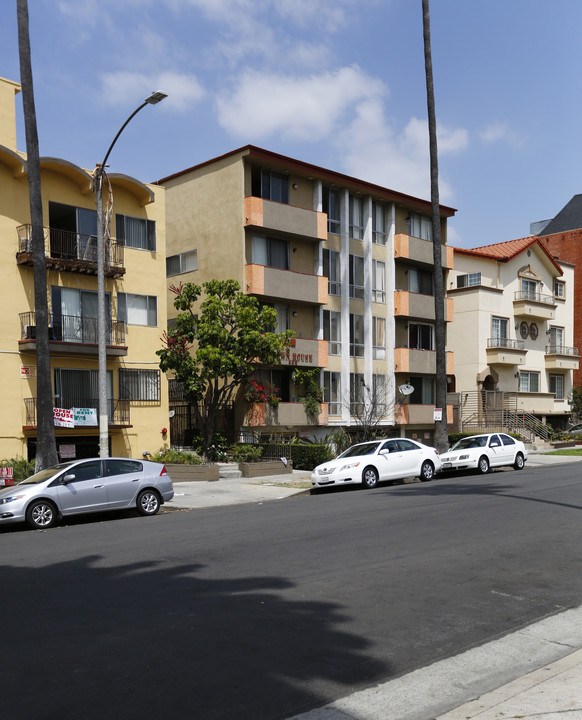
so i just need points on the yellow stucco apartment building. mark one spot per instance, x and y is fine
(135, 296)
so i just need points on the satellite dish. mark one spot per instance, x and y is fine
(406, 389)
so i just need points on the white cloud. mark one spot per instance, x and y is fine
(500, 132)
(306, 108)
(182, 90)
(374, 151)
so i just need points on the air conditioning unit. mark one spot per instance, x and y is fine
(30, 332)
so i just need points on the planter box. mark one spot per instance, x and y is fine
(192, 473)
(565, 444)
(261, 469)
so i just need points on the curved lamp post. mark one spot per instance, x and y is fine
(153, 99)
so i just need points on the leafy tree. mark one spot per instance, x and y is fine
(440, 428)
(368, 407)
(46, 450)
(575, 401)
(216, 348)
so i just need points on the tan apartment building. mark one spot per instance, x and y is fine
(347, 264)
(513, 335)
(135, 297)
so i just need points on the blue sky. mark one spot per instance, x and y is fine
(337, 83)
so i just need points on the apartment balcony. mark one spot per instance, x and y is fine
(117, 411)
(560, 357)
(70, 334)
(407, 247)
(416, 305)
(421, 362)
(408, 414)
(67, 251)
(284, 220)
(288, 285)
(534, 305)
(503, 351)
(306, 352)
(285, 415)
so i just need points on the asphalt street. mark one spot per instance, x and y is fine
(269, 609)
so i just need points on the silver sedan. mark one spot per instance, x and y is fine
(85, 486)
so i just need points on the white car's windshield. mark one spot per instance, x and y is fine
(470, 442)
(43, 475)
(363, 449)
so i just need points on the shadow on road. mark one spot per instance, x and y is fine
(147, 640)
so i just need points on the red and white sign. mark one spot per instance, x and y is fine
(438, 414)
(27, 371)
(6, 477)
(63, 417)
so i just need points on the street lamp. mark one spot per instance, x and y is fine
(153, 99)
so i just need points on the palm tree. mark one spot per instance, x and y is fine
(46, 452)
(440, 429)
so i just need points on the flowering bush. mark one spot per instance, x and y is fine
(263, 393)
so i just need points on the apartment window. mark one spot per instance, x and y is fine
(499, 328)
(529, 381)
(529, 289)
(420, 336)
(420, 281)
(357, 388)
(137, 309)
(331, 206)
(80, 388)
(270, 185)
(272, 252)
(283, 322)
(356, 277)
(279, 379)
(559, 289)
(379, 338)
(73, 232)
(356, 335)
(423, 390)
(556, 339)
(332, 392)
(379, 395)
(378, 281)
(469, 280)
(557, 386)
(182, 263)
(332, 331)
(378, 223)
(74, 315)
(356, 218)
(135, 232)
(420, 226)
(141, 385)
(332, 270)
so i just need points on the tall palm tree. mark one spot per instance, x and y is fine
(46, 452)
(440, 428)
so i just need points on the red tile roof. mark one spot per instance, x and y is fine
(505, 251)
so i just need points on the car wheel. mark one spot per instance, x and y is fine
(41, 514)
(426, 471)
(148, 502)
(519, 462)
(483, 465)
(370, 477)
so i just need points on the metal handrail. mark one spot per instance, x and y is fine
(117, 409)
(534, 297)
(510, 344)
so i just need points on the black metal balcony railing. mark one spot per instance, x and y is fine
(534, 297)
(73, 329)
(559, 349)
(75, 249)
(501, 342)
(117, 409)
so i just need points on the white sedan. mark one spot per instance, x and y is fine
(482, 452)
(371, 462)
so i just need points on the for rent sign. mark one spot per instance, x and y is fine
(6, 477)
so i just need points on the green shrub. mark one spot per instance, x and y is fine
(21, 468)
(306, 457)
(178, 457)
(246, 452)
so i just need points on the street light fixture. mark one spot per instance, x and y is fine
(153, 99)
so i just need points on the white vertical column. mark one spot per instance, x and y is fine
(368, 282)
(390, 319)
(318, 257)
(345, 302)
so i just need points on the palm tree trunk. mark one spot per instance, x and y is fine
(46, 453)
(440, 429)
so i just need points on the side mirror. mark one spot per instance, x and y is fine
(384, 451)
(68, 478)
